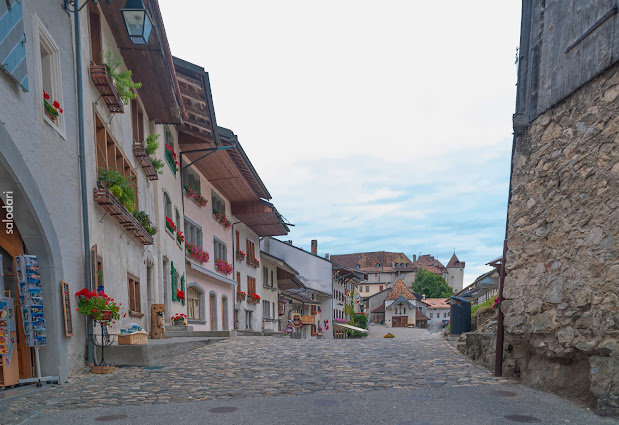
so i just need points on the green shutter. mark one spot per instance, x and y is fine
(173, 278)
(183, 287)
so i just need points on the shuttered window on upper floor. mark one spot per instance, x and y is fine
(13, 42)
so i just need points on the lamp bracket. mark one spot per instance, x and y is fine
(70, 6)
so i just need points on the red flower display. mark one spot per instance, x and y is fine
(170, 224)
(180, 294)
(223, 267)
(45, 95)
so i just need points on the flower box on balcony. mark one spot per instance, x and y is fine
(240, 296)
(169, 225)
(139, 151)
(253, 262)
(102, 80)
(112, 205)
(180, 238)
(253, 298)
(223, 267)
(240, 255)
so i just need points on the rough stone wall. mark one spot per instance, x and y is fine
(561, 294)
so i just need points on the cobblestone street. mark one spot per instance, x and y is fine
(414, 359)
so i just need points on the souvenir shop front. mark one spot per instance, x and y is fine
(31, 312)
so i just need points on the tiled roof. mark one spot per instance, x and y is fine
(400, 290)
(436, 302)
(420, 316)
(379, 309)
(431, 264)
(455, 263)
(367, 261)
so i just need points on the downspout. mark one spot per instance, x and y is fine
(82, 158)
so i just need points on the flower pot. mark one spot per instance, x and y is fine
(102, 315)
(178, 323)
(50, 116)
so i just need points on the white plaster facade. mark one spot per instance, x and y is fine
(270, 295)
(249, 314)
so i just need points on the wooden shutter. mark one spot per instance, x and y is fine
(173, 280)
(183, 287)
(13, 43)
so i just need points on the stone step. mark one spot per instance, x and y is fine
(173, 333)
(178, 328)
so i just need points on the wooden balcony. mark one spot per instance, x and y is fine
(105, 85)
(308, 320)
(114, 208)
(139, 151)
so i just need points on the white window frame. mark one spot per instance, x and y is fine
(43, 36)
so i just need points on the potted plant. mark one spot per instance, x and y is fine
(179, 319)
(169, 224)
(52, 110)
(151, 144)
(253, 298)
(180, 237)
(144, 220)
(240, 296)
(122, 80)
(223, 267)
(119, 186)
(222, 219)
(171, 157)
(240, 255)
(98, 306)
(180, 294)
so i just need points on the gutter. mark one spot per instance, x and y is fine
(82, 160)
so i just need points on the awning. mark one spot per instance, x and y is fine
(352, 328)
(212, 274)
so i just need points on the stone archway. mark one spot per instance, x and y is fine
(33, 220)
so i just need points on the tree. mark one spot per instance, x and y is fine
(432, 285)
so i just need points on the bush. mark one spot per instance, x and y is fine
(123, 82)
(144, 220)
(389, 335)
(485, 305)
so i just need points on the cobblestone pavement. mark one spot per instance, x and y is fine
(266, 366)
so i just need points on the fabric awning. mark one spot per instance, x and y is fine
(351, 327)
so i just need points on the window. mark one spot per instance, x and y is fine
(219, 206)
(238, 282)
(251, 285)
(170, 158)
(272, 281)
(193, 232)
(251, 251)
(191, 178)
(111, 157)
(357, 266)
(167, 205)
(237, 240)
(49, 75)
(273, 316)
(367, 289)
(177, 219)
(377, 265)
(431, 315)
(448, 314)
(193, 304)
(137, 121)
(444, 315)
(361, 289)
(396, 265)
(95, 34)
(220, 250)
(266, 309)
(380, 288)
(265, 277)
(135, 305)
(419, 308)
(406, 264)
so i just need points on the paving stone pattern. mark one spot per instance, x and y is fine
(267, 366)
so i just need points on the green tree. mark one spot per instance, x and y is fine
(432, 285)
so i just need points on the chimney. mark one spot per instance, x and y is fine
(414, 258)
(314, 246)
(289, 242)
(327, 256)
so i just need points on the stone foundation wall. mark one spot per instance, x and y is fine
(562, 288)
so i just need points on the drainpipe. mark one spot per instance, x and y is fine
(82, 157)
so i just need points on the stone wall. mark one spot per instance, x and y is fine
(561, 294)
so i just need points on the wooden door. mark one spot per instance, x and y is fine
(212, 311)
(399, 321)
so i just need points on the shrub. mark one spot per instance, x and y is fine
(151, 144)
(125, 85)
(119, 186)
(483, 306)
(145, 221)
(389, 335)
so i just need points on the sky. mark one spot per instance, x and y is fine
(375, 125)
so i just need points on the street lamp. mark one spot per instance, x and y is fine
(138, 23)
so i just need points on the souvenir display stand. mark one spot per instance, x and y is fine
(9, 371)
(31, 298)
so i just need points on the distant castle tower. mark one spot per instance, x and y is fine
(455, 273)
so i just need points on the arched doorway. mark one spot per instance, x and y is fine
(36, 235)
(213, 310)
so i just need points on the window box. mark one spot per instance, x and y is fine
(253, 298)
(222, 219)
(139, 151)
(180, 238)
(171, 158)
(195, 196)
(240, 296)
(170, 226)
(253, 262)
(112, 205)
(223, 267)
(194, 251)
(240, 255)
(105, 85)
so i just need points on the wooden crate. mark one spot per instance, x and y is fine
(133, 339)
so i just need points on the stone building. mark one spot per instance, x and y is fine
(561, 293)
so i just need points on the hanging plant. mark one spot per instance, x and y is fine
(97, 305)
(123, 81)
(119, 186)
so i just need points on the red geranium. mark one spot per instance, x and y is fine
(180, 294)
(56, 104)
(45, 95)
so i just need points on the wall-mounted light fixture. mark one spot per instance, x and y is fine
(137, 21)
